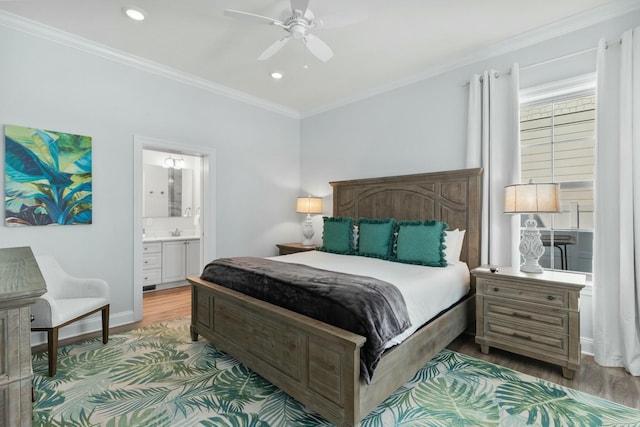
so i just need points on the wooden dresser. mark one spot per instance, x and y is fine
(535, 315)
(20, 284)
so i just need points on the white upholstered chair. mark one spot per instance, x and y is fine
(67, 299)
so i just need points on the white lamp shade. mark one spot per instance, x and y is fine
(532, 198)
(309, 205)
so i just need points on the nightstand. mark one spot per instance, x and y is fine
(535, 315)
(292, 248)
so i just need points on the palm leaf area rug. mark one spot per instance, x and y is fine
(156, 376)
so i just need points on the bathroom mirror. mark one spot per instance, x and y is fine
(168, 192)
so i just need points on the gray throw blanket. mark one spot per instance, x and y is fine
(363, 305)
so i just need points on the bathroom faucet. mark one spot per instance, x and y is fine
(176, 232)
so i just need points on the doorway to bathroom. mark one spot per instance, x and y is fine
(174, 191)
(171, 212)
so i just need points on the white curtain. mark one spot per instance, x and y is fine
(493, 143)
(616, 254)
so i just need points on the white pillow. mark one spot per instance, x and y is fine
(355, 237)
(453, 240)
(460, 242)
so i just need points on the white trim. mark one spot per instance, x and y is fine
(521, 41)
(55, 35)
(84, 326)
(208, 218)
(586, 345)
(556, 29)
(573, 85)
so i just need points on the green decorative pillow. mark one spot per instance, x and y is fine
(375, 237)
(337, 235)
(421, 243)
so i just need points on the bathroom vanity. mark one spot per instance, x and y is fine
(167, 261)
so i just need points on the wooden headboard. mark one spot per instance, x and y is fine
(454, 197)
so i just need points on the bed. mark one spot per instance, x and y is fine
(319, 364)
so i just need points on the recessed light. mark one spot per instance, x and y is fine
(134, 13)
(276, 75)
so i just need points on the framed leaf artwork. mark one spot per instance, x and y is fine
(47, 177)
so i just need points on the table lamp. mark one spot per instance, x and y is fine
(308, 205)
(530, 199)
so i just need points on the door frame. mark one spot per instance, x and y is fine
(207, 213)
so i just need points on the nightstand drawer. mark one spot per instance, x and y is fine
(548, 296)
(528, 316)
(535, 315)
(529, 339)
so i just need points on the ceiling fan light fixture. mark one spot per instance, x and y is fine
(298, 31)
(297, 23)
(134, 13)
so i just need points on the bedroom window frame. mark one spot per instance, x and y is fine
(572, 221)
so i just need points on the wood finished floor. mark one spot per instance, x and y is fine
(613, 384)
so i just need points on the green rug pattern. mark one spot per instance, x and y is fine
(156, 376)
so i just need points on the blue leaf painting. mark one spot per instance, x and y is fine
(47, 177)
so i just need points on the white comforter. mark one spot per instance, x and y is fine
(426, 290)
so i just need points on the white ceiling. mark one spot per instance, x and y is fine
(378, 44)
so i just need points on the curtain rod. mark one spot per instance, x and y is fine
(569, 55)
(558, 58)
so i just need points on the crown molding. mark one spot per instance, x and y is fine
(556, 29)
(530, 38)
(55, 35)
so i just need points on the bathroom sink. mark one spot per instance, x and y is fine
(170, 238)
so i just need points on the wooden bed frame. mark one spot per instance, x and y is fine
(319, 364)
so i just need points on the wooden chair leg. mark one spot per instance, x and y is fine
(52, 348)
(105, 325)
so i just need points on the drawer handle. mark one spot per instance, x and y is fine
(550, 297)
(496, 289)
(525, 337)
(521, 316)
(146, 262)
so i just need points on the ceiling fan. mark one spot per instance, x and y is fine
(297, 26)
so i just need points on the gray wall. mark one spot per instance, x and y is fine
(51, 86)
(264, 159)
(422, 127)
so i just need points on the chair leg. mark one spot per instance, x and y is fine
(105, 325)
(52, 349)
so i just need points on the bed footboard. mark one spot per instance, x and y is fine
(315, 363)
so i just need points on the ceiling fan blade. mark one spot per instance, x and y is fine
(340, 20)
(271, 50)
(246, 16)
(300, 6)
(319, 48)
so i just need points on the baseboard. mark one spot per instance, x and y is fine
(587, 346)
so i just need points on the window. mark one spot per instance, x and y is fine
(557, 137)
